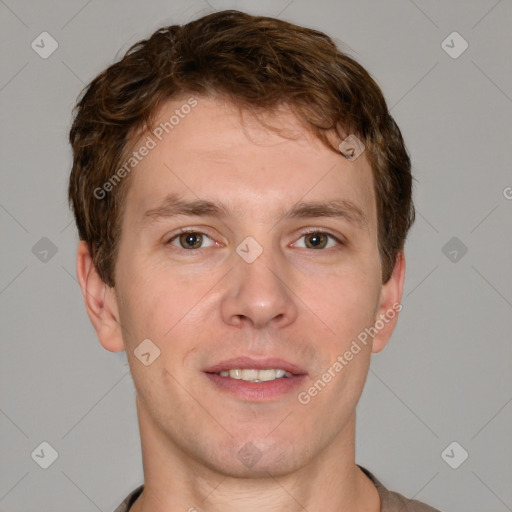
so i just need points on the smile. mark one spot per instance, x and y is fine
(253, 375)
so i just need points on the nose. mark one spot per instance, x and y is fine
(258, 294)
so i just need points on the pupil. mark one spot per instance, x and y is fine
(189, 240)
(317, 237)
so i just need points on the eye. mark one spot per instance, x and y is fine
(188, 239)
(317, 239)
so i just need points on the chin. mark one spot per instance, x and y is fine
(256, 459)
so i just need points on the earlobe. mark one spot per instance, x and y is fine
(390, 305)
(100, 301)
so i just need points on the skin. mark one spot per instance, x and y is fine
(201, 306)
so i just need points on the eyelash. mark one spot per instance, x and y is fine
(302, 234)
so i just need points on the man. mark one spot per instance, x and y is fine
(242, 197)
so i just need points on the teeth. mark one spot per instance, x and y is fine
(244, 374)
(266, 375)
(252, 375)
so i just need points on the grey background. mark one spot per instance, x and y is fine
(445, 375)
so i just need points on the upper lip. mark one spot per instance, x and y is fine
(256, 364)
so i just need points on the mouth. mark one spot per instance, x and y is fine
(250, 369)
(257, 380)
(253, 375)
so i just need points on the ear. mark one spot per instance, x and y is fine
(100, 301)
(389, 305)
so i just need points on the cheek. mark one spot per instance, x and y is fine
(163, 304)
(147, 305)
(349, 299)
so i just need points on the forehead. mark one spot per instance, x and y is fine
(213, 151)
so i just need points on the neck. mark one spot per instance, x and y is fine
(330, 482)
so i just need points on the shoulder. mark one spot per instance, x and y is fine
(394, 501)
(130, 500)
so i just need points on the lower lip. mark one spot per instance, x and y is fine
(257, 391)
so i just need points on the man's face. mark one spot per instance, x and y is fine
(204, 300)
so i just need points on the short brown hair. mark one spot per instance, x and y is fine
(257, 63)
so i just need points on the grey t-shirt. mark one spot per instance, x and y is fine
(390, 501)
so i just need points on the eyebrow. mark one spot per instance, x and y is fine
(173, 206)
